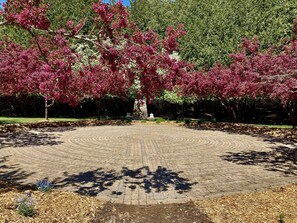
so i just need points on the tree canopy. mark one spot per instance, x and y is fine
(107, 53)
(48, 64)
(215, 27)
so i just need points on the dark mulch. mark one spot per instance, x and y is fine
(36, 125)
(162, 213)
(273, 134)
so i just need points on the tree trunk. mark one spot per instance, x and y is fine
(46, 106)
(46, 111)
(183, 111)
(291, 109)
(98, 107)
(293, 118)
(230, 109)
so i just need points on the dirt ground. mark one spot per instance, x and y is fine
(169, 213)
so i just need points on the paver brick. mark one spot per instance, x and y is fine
(146, 164)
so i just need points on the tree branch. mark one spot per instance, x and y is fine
(3, 23)
(39, 47)
(51, 104)
(79, 37)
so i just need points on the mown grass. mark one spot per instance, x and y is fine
(22, 120)
(274, 126)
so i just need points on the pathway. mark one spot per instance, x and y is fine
(146, 164)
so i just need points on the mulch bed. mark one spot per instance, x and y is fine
(53, 206)
(163, 213)
(258, 207)
(277, 134)
(68, 207)
(49, 124)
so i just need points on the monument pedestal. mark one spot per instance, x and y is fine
(140, 109)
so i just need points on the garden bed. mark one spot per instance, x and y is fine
(249, 129)
(274, 132)
(61, 206)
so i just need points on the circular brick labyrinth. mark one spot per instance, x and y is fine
(145, 164)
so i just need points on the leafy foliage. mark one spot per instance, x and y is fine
(25, 205)
(119, 54)
(44, 185)
(215, 27)
(252, 73)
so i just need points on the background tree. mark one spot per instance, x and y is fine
(60, 12)
(271, 74)
(216, 27)
(125, 55)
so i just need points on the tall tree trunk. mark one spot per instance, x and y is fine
(46, 110)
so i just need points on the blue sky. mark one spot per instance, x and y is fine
(125, 2)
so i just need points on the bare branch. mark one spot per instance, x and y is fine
(79, 37)
(279, 77)
(51, 104)
(3, 23)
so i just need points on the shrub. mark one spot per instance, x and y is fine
(44, 185)
(143, 121)
(200, 121)
(179, 120)
(25, 205)
(187, 121)
(159, 120)
(213, 120)
(282, 218)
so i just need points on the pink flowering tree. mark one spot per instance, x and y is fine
(270, 74)
(228, 84)
(51, 66)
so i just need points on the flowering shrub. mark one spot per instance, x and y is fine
(25, 205)
(44, 185)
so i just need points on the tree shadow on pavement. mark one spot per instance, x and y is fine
(90, 182)
(11, 176)
(159, 180)
(28, 138)
(280, 159)
(94, 182)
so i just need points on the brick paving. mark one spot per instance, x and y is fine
(146, 164)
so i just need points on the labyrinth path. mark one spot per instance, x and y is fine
(145, 164)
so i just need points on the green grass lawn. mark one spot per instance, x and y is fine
(19, 120)
(274, 126)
